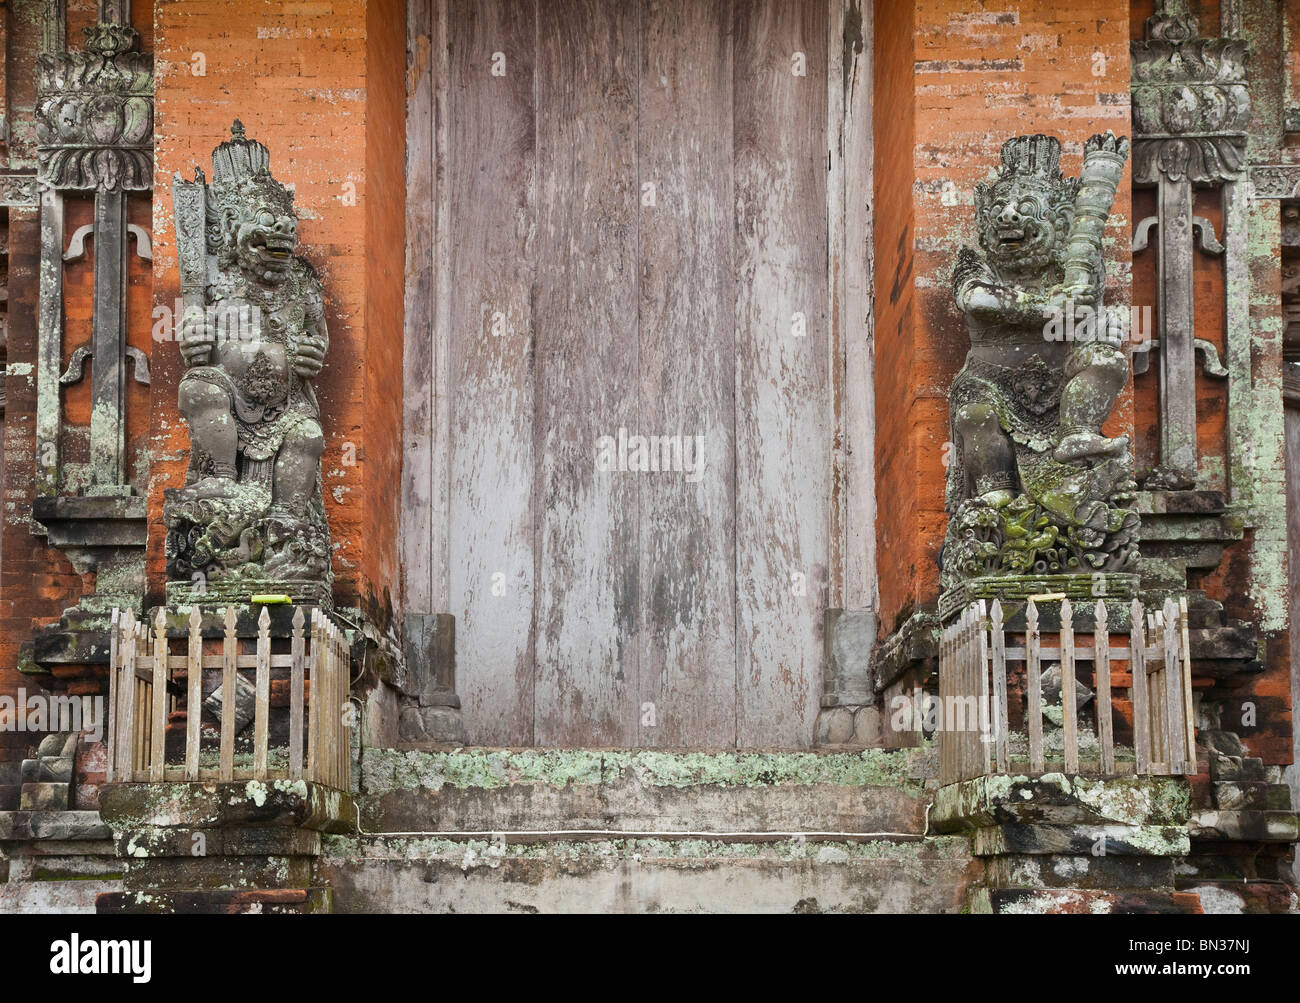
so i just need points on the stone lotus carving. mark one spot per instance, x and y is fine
(1034, 487)
(94, 113)
(254, 335)
(1191, 106)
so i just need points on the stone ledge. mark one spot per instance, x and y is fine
(269, 901)
(384, 770)
(1246, 826)
(67, 826)
(1059, 799)
(230, 805)
(1047, 901)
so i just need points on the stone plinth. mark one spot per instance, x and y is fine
(1058, 843)
(221, 847)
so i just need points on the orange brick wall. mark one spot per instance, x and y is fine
(896, 454)
(983, 73)
(305, 78)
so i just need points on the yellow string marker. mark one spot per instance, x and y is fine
(272, 600)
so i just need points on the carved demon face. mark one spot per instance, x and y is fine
(1023, 222)
(262, 234)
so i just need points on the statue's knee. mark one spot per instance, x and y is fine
(975, 417)
(198, 397)
(307, 438)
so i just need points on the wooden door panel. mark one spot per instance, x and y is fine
(491, 165)
(783, 482)
(687, 364)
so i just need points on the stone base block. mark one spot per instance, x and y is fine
(1043, 901)
(268, 901)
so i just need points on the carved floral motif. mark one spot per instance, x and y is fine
(94, 113)
(1191, 107)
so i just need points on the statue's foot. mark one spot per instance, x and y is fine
(997, 498)
(1085, 445)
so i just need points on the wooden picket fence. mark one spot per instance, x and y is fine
(975, 651)
(140, 702)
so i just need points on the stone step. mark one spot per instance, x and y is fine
(1270, 898)
(1055, 901)
(436, 875)
(481, 791)
(1251, 795)
(44, 797)
(9, 795)
(57, 876)
(265, 901)
(580, 830)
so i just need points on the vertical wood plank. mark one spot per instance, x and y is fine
(1141, 710)
(945, 700)
(1156, 678)
(297, 677)
(318, 661)
(262, 705)
(229, 685)
(783, 407)
(970, 691)
(687, 657)
(328, 669)
(143, 706)
(158, 726)
(1034, 682)
(194, 693)
(1175, 725)
(114, 721)
(587, 373)
(1101, 668)
(1189, 720)
(490, 165)
(999, 718)
(853, 301)
(983, 735)
(1069, 699)
(417, 344)
(340, 710)
(126, 700)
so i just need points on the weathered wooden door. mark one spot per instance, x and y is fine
(620, 224)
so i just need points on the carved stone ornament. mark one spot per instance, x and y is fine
(94, 113)
(1191, 107)
(1034, 487)
(250, 518)
(1275, 181)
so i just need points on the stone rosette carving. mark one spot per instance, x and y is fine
(1034, 487)
(94, 114)
(1191, 106)
(251, 517)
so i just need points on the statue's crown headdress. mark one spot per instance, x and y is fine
(239, 158)
(1036, 156)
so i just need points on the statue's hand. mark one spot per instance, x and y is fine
(1082, 295)
(195, 339)
(309, 357)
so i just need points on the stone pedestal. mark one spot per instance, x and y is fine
(1060, 844)
(221, 847)
(849, 716)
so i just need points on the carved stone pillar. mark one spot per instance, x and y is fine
(94, 128)
(1190, 114)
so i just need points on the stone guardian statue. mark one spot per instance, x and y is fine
(1034, 487)
(250, 518)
